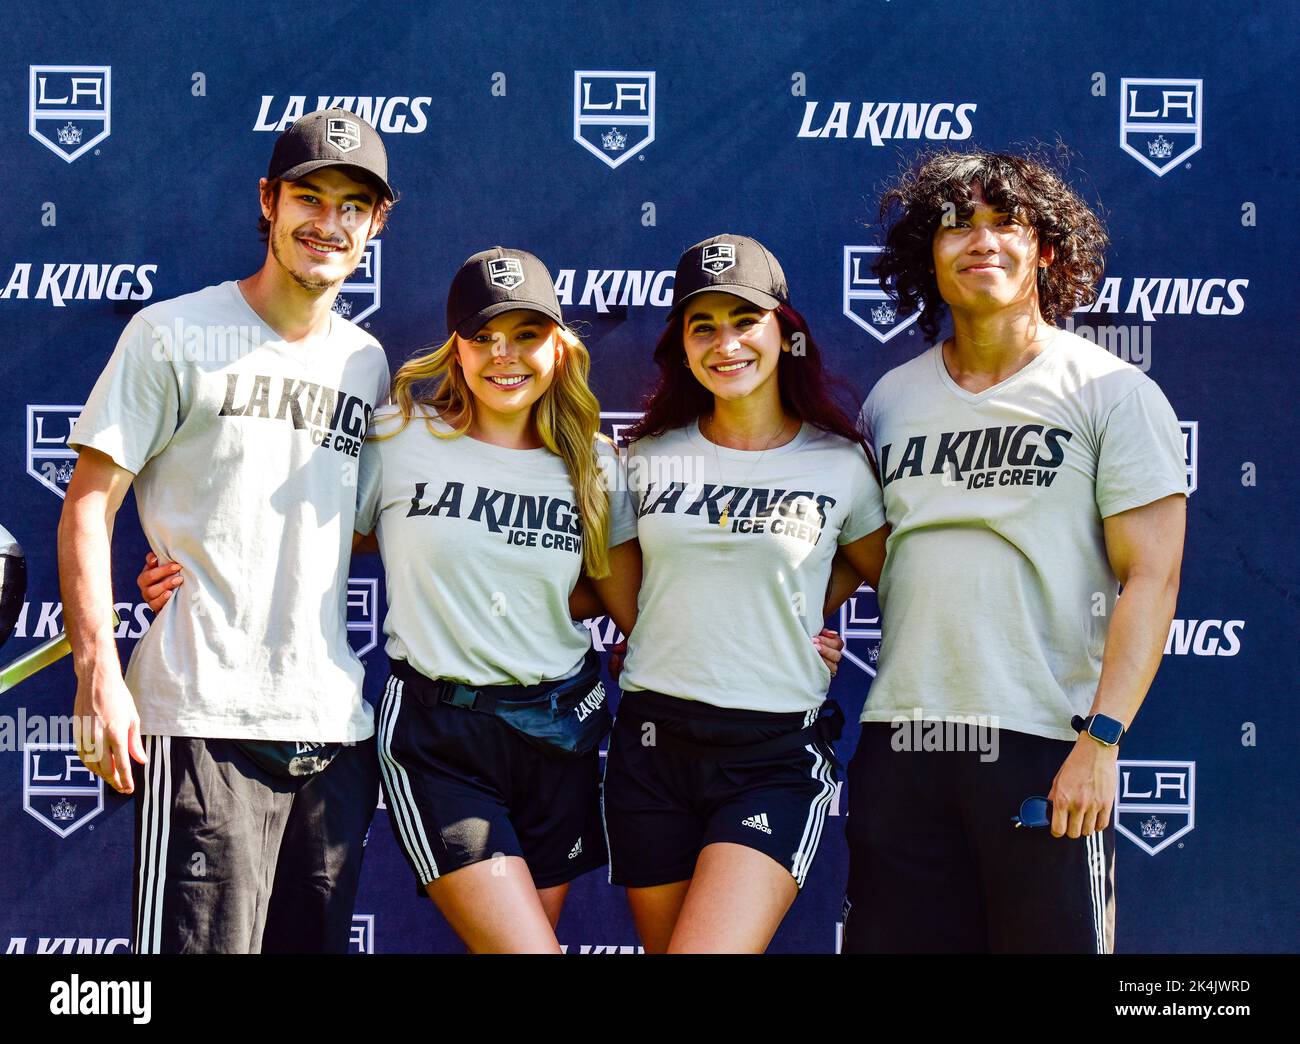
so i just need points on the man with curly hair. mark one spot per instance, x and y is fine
(1027, 475)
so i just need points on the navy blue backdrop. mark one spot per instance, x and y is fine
(607, 138)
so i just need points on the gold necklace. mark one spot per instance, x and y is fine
(726, 511)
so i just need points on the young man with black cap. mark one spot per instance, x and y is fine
(489, 488)
(748, 478)
(238, 413)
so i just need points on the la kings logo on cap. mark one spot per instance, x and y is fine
(718, 258)
(505, 272)
(343, 134)
(69, 107)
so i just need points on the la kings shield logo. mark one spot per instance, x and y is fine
(615, 423)
(58, 789)
(865, 301)
(613, 114)
(718, 258)
(358, 297)
(860, 629)
(363, 613)
(1156, 803)
(505, 272)
(1191, 437)
(344, 135)
(1160, 121)
(361, 939)
(69, 108)
(49, 457)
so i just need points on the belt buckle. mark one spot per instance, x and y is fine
(460, 696)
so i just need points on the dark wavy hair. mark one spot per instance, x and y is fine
(807, 391)
(1027, 186)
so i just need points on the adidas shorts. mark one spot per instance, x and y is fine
(462, 786)
(230, 858)
(936, 865)
(662, 808)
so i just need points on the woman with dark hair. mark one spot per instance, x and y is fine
(748, 478)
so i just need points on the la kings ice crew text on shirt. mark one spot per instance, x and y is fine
(737, 548)
(482, 541)
(997, 593)
(255, 496)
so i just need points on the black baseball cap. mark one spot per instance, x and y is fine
(330, 138)
(495, 281)
(731, 265)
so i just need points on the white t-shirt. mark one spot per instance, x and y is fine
(997, 592)
(728, 606)
(482, 546)
(245, 451)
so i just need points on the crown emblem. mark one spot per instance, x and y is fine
(63, 810)
(61, 473)
(69, 135)
(613, 140)
(1160, 147)
(1152, 827)
(342, 307)
(884, 314)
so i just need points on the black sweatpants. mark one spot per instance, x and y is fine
(936, 865)
(230, 858)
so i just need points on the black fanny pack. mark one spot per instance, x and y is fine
(826, 729)
(289, 759)
(567, 718)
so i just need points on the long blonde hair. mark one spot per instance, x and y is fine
(567, 417)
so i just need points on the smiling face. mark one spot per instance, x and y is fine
(510, 362)
(732, 346)
(319, 226)
(987, 261)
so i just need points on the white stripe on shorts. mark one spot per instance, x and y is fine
(1097, 875)
(812, 830)
(401, 802)
(155, 830)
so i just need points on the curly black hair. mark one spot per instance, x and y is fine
(1027, 186)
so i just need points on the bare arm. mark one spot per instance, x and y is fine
(618, 590)
(1145, 548)
(861, 560)
(110, 725)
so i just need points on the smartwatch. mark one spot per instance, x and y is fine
(1104, 729)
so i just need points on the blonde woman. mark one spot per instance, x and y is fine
(486, 483)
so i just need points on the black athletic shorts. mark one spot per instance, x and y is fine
(663, 807)
(937, 866)
(461, 786)
(231, 858)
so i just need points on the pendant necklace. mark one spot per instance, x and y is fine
(726, 511)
